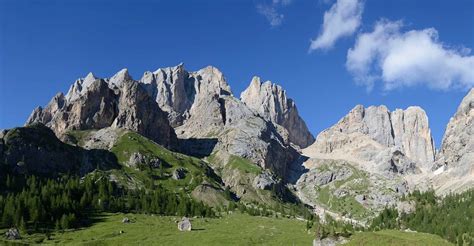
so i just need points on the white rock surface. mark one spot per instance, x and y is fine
(176, 91)
(455, 160)
(458, 142)
(412, 133)
(365, 132)
(270, 101)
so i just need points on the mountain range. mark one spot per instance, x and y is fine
(254, 143)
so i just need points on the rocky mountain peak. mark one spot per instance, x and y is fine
(79, 87)
(406, 130)
(119, 78)
(457, 148)
(212, 80)
(270, 101)
(97, 105)
(89, 79)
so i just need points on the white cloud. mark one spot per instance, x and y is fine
(415, 57)
(341, 20)
(282, 2)
(270, 11)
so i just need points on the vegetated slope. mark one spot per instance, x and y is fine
(395, 238)
(145, 163)
(208, 180)
(451, 217)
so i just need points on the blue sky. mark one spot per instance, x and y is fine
(46, 44)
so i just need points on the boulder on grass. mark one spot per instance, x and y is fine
(12, 234)
(184, 224)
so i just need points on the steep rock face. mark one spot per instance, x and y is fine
(118, 101)
(173, 91)
(91, 108)
(177, 91)
(412, 133)
(270, 101)
(457, 149)
(407, 130)
(138, 112)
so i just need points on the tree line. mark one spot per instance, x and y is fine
(33, 203)
(451, 217)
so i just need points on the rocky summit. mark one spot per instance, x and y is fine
(454, 169)
(119, 102)
(270, 101)
(365, 131)
(457, 148)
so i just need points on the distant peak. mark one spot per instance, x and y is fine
(179, 67)
(122, 72)
(120, 77)
(90, 75)
(256, 82)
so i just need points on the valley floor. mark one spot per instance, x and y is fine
(235, 229)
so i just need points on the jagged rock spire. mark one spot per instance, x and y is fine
(270, 101)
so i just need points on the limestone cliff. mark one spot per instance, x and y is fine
(270, 101)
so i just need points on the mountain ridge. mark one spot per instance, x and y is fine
(370, 158)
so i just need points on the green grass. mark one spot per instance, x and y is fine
(398, 238)
(131, 142)
(235, 229)
(241, 172)
(244, 165)
(343, 205)
(357, 182)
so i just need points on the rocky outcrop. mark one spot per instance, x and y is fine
(264, 181)
(270, 101)
(136, 159)
(325, 177)
(394, 161)
(179, 173)
(367, 131)
(36, 150)
(457, 149)
(119, 102)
